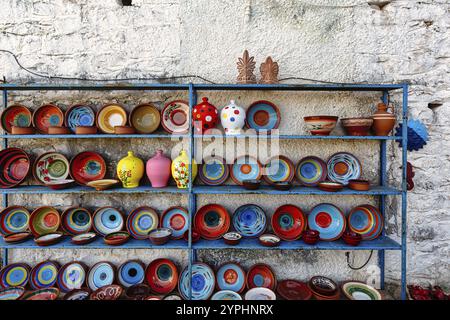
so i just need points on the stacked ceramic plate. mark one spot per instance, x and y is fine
(367, 221)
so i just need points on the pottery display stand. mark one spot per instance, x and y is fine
(382, 190)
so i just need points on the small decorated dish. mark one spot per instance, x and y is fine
(108, 220)
(232, 238)
(311, 237)
(110, 116)
(44, 220)
(42, 294)
(78, 294)
(46, 116)
(51, 166)
(226, 295)
(175, 117)
(354, 290)
(323, 285)
(203, 282)
(251, 184)
(357, 126)
(15, 165)
(260, 294)
(138, 291)
(60, 184)
(250, 220)
(17, 237)
(131, 273)
(101, 274)
(261, 275)
(11, 293)
(294, 290)
(15, 115)
(269, 240)
(87, 166)
(212, 221)
(72, 276)
(14, 274)
(195, 236)
(84, 238)
(76, 220)
(102, 184)
(141, 221)
(49, 239)
(162, 276)
(160, 236)
(172, 297)
(245, 168)
(359, 185)
(145, 118)
(58, 130)
(117, 238)
(175, 218)
(111, 292)
(320, 125)
(352, 238)
(230, 276)
(14, 220)
(44, 275)
(282, 186)
(263, 116)
(330, 186)
(80, 115)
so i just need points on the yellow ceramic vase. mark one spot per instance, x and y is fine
(180, 170)
(130, 170)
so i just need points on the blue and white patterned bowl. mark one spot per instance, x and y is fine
(250, 220)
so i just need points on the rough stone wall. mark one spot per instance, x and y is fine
(403, 41)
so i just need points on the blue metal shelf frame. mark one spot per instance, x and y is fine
(381, 244)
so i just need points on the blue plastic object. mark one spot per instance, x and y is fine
(417, 135)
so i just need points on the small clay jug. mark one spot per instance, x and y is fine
(383, 121)
(158, 169)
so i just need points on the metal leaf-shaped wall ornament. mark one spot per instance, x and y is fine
(246, 66)
(269, 71)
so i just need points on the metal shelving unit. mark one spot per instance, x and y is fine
(380, 244)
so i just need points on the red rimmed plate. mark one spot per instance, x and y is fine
(263, 115)
(288, 222)
(261, 275)
(279, 169)
(245, 168)
(14, 167)
(51, 166)
(46, 116)
(175, 117)
(15, 115)
(44, 220)
(212, 221)
(87, 166)
(76, 220)
(294, 290)
(42, 294)
(175, 218)
(14, 219)
(162, 276)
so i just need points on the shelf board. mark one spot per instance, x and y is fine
(93, 136)
(381, 243)
(83, 189)
(98, 243)
(234, 189)
(302, 137)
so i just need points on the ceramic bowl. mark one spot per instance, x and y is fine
(44, 220)
(251, 184)
(351, 238)
(58, 130)
(15, 115)
(138, 291)
(110, 292)
(22, 130)
(15, 166)
(145, 118)
(282, 186)
(160, 236)
(76, 220)
(102, 184)
(330, 186)
(46, 116)
(78, 294)
(83, 238)
(323, 285)
(60, 184)
(195, 236)
(320, 125)
(260, 293)
(42, 294)
(294, 290)
(86, 130)
(357, 126)
(11, 293)
(311, 236)
(87, 166)
(49, 239)
(355, 290)
(117, 238)
(79, 115)
(17, 237)
(359, 185)
(50, 166)
(110, 116)
(232, 238)
(124, 130)
(269, 240)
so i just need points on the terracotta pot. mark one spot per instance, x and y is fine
(359, 185)
(357, 126)
(124, 130)
(58, 130)
(22, 130)
(330, 186)
(158, 169)
(383, 121)
(86, 130)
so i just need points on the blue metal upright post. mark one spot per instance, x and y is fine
(5, 196)
(404, 185)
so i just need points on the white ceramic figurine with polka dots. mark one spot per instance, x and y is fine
(232, 118)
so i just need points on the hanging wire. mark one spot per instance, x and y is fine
(347, 254)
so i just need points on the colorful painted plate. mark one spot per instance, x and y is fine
(231, 276)
(83, 238)
(328, 220)
(213, 171)
(15, 115)
(76, 221)
(141, 221)
(162, 276)
(203, 282)
(279, 169)
(311, 170)
(175, 218)
(212, 221)
(51, 166)
(14, 274)
(145, 118)
(175, 117)
(110, 116)
(14, 219)
(263, 115)
(49, 239)
(226, 295)
(100, 275)
(250, 220)
(261, 275)
(78, 294)
(260, 294)
(354, 290)
(42, 294)
(108, 220)
(245, 168)
(342, 167)
(44, 220)
(15, 165)
(44, 275)
(294, 290)
(288, 222)
(46, 116)
(111, 292)
(11, 293)
(17, 237)
(71, 276)
(367, 221)
(131, 273)
(87, 166)
(79, 116)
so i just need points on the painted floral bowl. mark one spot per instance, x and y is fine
(160, 236)
(232, 238)
(320, 125)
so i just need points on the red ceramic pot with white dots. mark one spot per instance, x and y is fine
(204, 116)
(232, 118)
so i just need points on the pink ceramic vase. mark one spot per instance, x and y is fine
(158, 170)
